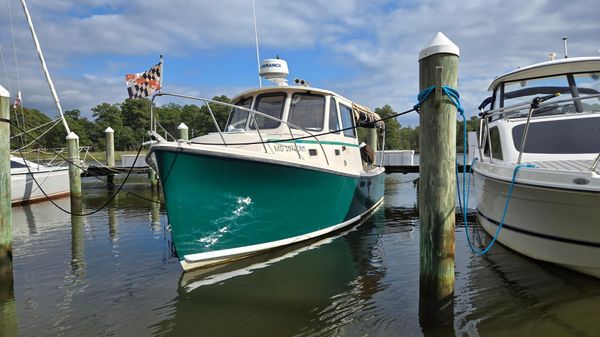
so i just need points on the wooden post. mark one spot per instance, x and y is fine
(74, 163)
(372, 139)
(437, 138)
(109, 134)
(182, 131)
(5, 186)
(110, 146)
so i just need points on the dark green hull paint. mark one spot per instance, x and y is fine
(216, 203)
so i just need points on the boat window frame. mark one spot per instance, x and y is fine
(495, 143)
(247, 116)
(291, 106)
(353, 130)
(333, 105)
(257, 99)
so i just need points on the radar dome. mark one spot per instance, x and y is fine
(275, 70)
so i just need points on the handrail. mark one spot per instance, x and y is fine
(514, 108)
(206, 101)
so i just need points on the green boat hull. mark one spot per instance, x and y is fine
(217, 203)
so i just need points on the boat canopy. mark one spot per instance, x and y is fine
(364, 117)
(550, 68)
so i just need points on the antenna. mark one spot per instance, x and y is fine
(44, 67)
(256, 40)
(565, 43)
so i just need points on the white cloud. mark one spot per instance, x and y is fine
(377, 41)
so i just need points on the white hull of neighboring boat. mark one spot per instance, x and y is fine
(54, 181)
(551, 224)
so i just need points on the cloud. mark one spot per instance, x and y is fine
(372, 46)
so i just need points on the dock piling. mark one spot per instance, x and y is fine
(110, 153)
(182, 131)
(5, 184)
(439, 59)
(74, 164)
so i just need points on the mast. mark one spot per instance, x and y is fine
(41, 56)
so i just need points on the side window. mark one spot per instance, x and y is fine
(495, 143)
(347, 120)
(272, 105)
(238, 117)
(334, 121)
(307, 111)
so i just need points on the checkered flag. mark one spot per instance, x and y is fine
(144, 84)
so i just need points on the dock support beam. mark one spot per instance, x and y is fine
(437, 201)
(74, 164)
(5, 186)
(109, 134)
(182, 131)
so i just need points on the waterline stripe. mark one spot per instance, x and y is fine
(540, 235)
(305, 141)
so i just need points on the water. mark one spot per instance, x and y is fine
(113, 274)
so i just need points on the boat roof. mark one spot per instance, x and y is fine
(362, 115)
(550, 68)
(262, 90)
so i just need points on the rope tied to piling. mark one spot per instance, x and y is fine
(452, 94)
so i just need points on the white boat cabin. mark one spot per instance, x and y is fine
(565, 127)
(322, 122)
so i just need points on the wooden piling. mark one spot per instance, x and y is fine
(110, 146)
(437, 183)
(372, 139)
(74, 164)
(5, 184)
(182, 131)
(109, 134)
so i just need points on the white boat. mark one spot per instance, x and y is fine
(286, 168)
(54, 181)
(553, 213)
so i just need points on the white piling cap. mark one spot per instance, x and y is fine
(4, 92)
(72, 135)
(109, 130)
(182, 126)
(438, 45)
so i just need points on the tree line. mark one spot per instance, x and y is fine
(130, 121)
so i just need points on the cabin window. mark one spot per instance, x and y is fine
(16, 164)
(238, 117)
(334, 122)
(577, 135)
(495, 144)
(307, 111)
(588, 84)
(272, 105)
(347, 120)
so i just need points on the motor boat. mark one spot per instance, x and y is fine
(537, 174)
(286, 168)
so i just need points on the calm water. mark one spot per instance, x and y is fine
(113, 274)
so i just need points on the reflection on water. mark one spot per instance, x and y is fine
(113, 273)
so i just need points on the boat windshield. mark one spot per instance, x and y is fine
(307, 111)
(568, 86)
(272, 105)
(238, 117)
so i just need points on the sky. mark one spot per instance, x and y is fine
(366, 51)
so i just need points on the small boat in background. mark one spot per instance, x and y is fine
(546, 149)
(54, 181)
(286, 168)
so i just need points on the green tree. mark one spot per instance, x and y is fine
(392, 128)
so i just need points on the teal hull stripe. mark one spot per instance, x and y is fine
(218, 203)
(308, 141)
